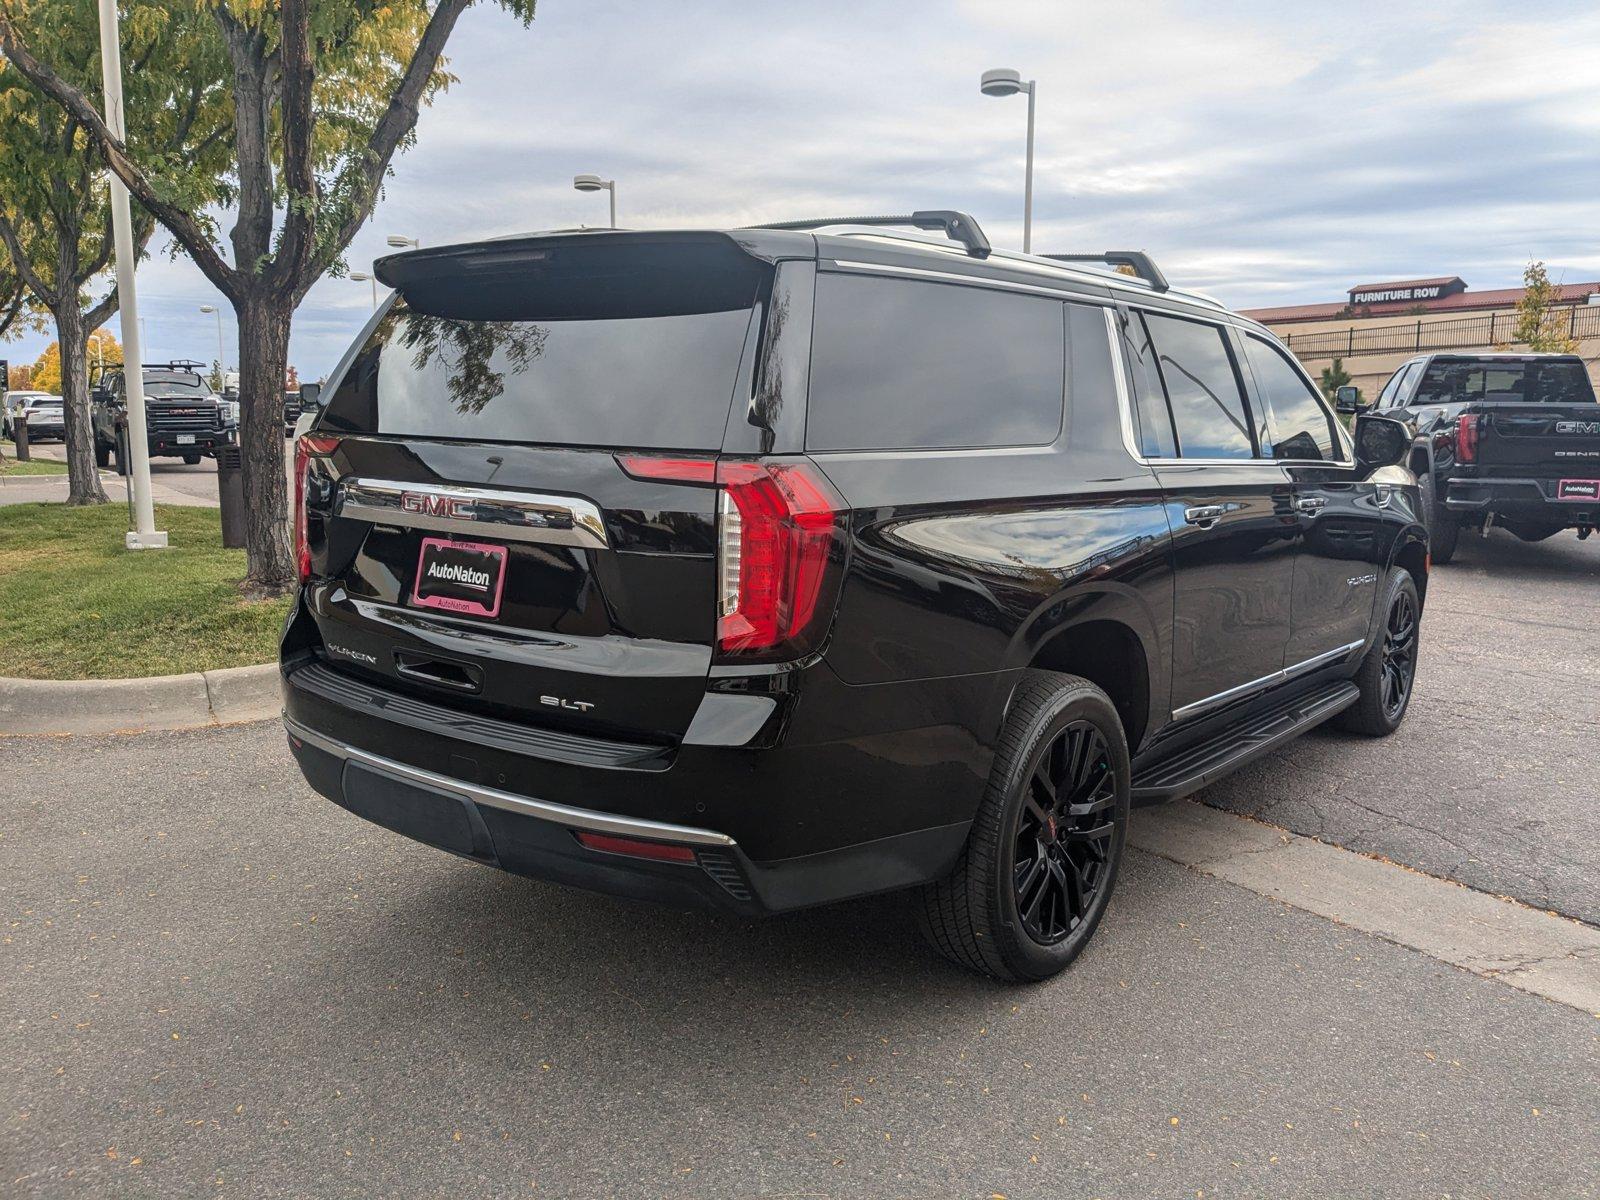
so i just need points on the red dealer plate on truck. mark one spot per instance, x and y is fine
(463, 577)
(1578, 489)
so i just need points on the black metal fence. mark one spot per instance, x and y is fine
(1413, 337)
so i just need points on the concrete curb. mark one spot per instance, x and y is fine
(52, 706)
(1535, 951)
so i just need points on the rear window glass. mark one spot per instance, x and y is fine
(1202, 389)
(1304, 428)
(1534, 382)
(621, 347)
(903, 365)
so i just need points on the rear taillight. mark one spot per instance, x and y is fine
(778, 521)
(1467, 438)
(309, 446)
(777, 525)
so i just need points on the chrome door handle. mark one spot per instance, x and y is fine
(1310, 504)
(1204, 515)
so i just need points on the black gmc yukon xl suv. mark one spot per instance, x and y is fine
(764, 568)
(1507, 438)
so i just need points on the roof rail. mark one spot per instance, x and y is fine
(957, 226)
(1143, 265)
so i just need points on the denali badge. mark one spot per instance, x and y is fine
(558, 702)
(1358, 580)
(1584, 427)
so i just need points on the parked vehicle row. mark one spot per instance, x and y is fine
(1508, 439)
(763, 568)
(43, 412)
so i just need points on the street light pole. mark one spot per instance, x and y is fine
(1003, 81)
(593, 183)
(363, 277)
(222, 364)
(144, 535)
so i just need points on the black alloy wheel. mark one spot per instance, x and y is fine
(1387, 674)
(1041, 858)
(1064, 835)
(1399, 654)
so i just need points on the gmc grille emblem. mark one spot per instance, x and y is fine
(435, 506)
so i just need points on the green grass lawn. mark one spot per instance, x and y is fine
(74, 604)
(34, 466)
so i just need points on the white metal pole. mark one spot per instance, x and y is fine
(374, 280)
(144, 535)
(1027, 187)
(222, 361)
(612, 192)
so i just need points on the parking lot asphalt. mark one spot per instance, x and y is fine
(1494, 779)
(217, 984)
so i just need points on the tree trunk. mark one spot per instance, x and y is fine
(83, 479)
(263, 360)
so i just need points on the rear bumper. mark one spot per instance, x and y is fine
(538, 838)
(1534, 500)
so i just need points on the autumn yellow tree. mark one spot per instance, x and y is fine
(101, 349)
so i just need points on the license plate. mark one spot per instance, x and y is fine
(186, 439)
(463, 577)
(1578, 489)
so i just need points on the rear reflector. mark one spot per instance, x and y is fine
(633, 848)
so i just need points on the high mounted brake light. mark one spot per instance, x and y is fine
(1467, 438)
(309, 446)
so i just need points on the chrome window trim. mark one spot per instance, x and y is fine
(1130, 440)
(486, 512)
(1266, 681)
(543, 810)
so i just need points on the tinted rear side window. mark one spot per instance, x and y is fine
(1202, 389)
(899, 364)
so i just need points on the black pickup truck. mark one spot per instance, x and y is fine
(183, 418)
(1501, 439)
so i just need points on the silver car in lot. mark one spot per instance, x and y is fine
(45, 418)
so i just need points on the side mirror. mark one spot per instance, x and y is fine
(310, 395)
(1381, 441)
(1348, 400)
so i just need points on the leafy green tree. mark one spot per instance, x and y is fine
(54, 219)
(323, 96)
(1540, 325)
(1334, 378)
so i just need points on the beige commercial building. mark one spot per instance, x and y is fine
(1380, 325)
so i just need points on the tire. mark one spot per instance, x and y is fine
(102, 454)
(1388, 673)
(1063, 728)
(191, 459)
(1444, 531)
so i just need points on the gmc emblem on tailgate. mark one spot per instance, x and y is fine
(1585, 427)
(435, 506)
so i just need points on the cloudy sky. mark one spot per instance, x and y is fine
(1264, 152)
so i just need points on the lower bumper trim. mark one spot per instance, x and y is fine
(559, 814)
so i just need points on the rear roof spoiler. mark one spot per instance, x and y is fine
(957, 226)
(1143, 265)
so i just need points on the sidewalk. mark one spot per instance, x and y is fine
(172, 481)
